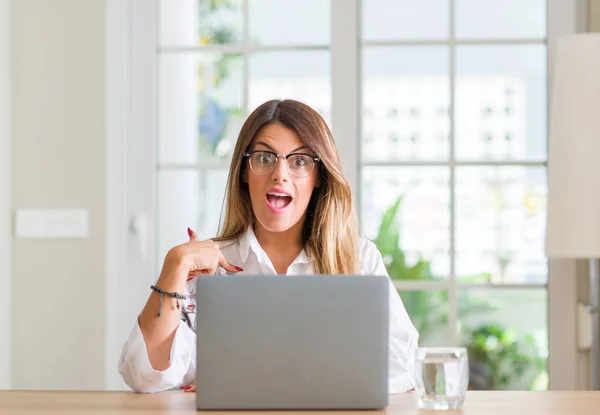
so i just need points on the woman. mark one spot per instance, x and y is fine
(289, 211)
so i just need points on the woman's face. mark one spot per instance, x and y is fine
(279, 197)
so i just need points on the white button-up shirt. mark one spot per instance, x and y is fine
(138, 373)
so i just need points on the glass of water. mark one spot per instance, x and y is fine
(442, 375)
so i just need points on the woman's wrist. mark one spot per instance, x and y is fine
(171, 281)
(174, 273)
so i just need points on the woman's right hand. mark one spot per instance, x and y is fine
(181, 263)
(195, 258)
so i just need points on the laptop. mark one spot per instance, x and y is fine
(292, 342)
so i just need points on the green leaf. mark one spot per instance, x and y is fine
(388, 237)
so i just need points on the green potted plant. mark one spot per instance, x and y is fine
(428, 310)
(501, 359)
(498, 358)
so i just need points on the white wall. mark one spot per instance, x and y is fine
(568, 366)
(5, 279)
(58, 161)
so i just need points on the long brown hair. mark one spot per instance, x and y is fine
(330, 233)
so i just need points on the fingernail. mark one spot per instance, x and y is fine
(238, 268)
(185, 387)
(190, 232)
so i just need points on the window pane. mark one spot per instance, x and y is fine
(406, 96)
(428, 311)
(178, 208)
(493, 19)
(405, 19)
(305, 22)
(500, 224)
(501, 102)
(415, 239)
(506, 337)
(200, 22)
(188, 198)
(300, 75)
(200, 106)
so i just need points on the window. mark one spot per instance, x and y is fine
(448, 146)
(453, 146)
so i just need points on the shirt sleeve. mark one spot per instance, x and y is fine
(403, 335)
(138, 373)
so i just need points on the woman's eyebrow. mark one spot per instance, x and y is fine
(296, 149)
(266, 145)
(273, 150)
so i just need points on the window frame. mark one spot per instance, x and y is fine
(452, 285)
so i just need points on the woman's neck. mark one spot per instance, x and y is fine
(281, 247)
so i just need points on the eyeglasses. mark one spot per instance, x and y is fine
(298, 164)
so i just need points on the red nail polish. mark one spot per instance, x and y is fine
(190, 232)
(184, 387)
(238, 268)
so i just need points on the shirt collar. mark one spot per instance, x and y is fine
(244, 243)
(249, 242)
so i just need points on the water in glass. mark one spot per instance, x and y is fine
(442, 376)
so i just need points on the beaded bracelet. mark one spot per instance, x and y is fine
(161, 292)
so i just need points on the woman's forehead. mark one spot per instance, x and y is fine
(278, 137)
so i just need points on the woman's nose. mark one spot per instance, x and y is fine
(281, 172)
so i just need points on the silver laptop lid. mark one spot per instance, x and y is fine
(292, 342)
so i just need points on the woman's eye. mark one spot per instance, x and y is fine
(299, 161)
(265, 158)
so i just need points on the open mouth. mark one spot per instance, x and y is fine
(278, 200)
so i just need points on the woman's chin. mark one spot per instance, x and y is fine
(276, 226)
(276, 223)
